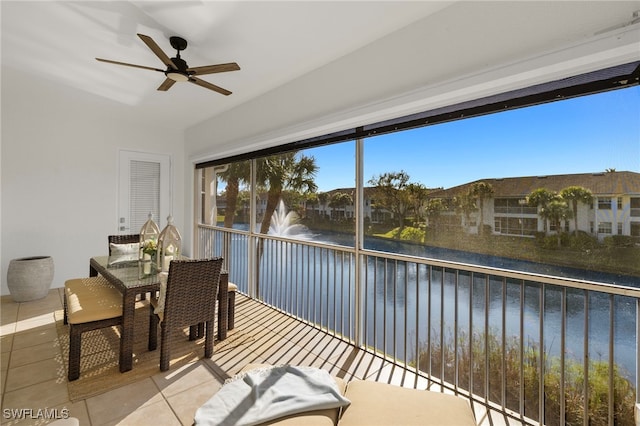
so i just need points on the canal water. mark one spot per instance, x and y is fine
(405, 300)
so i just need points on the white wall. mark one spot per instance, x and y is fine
(59, 172)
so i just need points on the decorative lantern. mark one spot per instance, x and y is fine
(169, 245)
(148, 244)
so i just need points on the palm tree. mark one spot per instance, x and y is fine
(277, 173)
(556, 211)
(480, 191)
(280, 172)
(540, 198)
(575, 194)
(235, 174)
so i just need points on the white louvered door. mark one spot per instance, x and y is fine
(144, 188)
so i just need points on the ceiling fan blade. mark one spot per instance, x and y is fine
(209, 86)
(211, 69)
(166, 84)
(156, 49)
(129, 65)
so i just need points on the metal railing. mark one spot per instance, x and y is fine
(530, 346)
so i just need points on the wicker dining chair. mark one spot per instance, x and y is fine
(125, 239)
(79, 285)
(189, 299)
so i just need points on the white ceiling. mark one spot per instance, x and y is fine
(273, 42)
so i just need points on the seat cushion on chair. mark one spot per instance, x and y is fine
(233, 287)
(374, 403)
(88, 285)
(92, 305)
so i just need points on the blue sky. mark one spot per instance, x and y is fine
(581, 135)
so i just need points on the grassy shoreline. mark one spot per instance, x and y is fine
(617, 260)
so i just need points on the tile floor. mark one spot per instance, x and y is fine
(31, 376)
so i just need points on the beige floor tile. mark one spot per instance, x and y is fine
(77, 410)
(33, 337)
(120, 403)
(36, 321)
(46, 394)
(7, 329)
(32, 374)
(35, 353)
(9, 312)
(183, 378)
(4, 362)
(359, 364)
(156, 414)
(392, 374)
(185, 404)
(52, 300)
(6, 343)
(45, 416)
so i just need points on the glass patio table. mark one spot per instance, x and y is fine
(129, 278)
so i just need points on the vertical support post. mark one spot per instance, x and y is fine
(252, 240)
(358, 305)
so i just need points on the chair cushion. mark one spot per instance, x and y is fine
(88, 284)
(233, 287)
(91, 303)
(374, 403)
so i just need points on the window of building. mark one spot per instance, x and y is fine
(604, 203)
(604, 228)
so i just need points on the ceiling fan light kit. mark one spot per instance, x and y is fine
(177, 69)
(176, 76)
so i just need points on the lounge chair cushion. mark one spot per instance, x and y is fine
(374, 403)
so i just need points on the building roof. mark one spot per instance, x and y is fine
(600, 184)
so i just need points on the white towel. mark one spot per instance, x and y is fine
(258, 396)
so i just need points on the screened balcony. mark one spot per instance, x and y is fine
(534, 318)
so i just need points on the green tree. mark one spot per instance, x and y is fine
(556, 211)
(389, 192)
(434, 207)
(288, 171)
(236, 174)
(465, 204)
(312, 201)
(417, 195)
(540, 198)
(575, 195)
(340, 200)
(480, 191)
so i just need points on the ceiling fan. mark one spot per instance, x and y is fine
(177, 68)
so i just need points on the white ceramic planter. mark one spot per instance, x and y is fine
(29, 278)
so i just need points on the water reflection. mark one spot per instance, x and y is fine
(405, 303)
